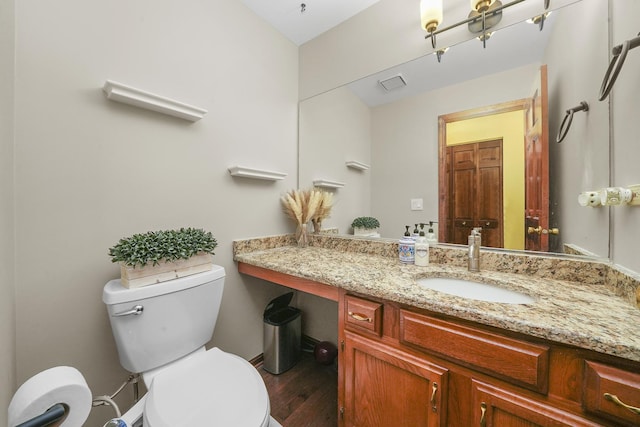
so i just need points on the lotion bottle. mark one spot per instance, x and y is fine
(422, 249)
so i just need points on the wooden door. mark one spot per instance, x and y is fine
(387, 387)
(475, 192)
(537, 167)
(497, 407)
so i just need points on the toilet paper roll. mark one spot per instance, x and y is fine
(62, 384)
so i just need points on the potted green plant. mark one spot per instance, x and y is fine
(365, 226)
(158, 256)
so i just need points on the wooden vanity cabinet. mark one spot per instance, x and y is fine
(494, 406)
(612, 393)
(400, 366)
(387, 387)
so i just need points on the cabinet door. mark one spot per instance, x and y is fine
(496, 407)
(387, 387)
(612, 393)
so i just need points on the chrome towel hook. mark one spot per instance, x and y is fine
(568, 118)
(619, 54)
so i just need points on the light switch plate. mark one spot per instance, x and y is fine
(416, 205)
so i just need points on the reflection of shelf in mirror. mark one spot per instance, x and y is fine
(325, 183)
(357, 165)
(128, 95)
(243, 172)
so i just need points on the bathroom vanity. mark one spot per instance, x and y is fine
(414, 356)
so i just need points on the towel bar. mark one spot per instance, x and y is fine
(568, 118)
(619, 54)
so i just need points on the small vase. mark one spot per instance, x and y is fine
(317, 225)
(302, 236)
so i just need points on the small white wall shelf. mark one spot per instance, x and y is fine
(266, 175)
(357, 165)
(325, 183)
(128, 95)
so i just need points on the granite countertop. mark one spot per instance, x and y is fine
(582, 314)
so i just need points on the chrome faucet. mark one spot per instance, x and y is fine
(473, 257)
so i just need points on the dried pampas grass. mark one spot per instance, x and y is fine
(323, 211)
(303, 206)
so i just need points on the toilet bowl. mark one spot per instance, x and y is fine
(214, 389)
(160, 332)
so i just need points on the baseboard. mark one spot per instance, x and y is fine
(308, 344)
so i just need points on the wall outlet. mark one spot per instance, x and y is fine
(417, 205)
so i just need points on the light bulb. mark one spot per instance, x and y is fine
(430, 14)
(481, 5)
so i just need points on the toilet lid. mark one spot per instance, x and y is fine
(213, 388)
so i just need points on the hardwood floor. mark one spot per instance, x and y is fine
(305, 395)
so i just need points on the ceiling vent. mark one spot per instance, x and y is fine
(392, 83)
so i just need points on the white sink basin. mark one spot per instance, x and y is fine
(475, 290)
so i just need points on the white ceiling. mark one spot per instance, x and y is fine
(510, 47)
(319, 15)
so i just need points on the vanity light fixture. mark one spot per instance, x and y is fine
(438, 53)
(484, 15)
(485, 36)
(539, 20)
(481, 5)
(430, 17)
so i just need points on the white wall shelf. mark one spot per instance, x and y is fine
(262, 174)
(325, 183)
(129, 95)
(357, 165)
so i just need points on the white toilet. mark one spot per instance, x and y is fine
(160, 331)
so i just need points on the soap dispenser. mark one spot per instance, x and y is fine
(473, 257)
(422, 249)
(431, 235)
(407, 248)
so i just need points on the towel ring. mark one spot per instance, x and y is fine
(568, 118)
(619, 55)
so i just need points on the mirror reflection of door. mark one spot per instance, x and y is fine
(537, 167)
(475, 191)
(514, 123)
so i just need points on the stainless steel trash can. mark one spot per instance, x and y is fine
(281, 334)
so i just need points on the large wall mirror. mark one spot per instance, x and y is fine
(398, 134)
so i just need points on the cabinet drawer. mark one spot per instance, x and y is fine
(363, 315)
(518, 362)
(612, 393)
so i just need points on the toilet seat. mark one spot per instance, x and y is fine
(213, 388)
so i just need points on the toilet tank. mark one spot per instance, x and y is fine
(177, 317)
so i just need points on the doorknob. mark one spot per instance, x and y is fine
(540, 230)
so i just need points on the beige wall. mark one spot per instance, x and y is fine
(576, 163)
(90, 171)
(625, 129)
(7, 311)
(335, 127)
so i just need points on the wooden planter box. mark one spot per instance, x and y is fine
(136, 277)
(360, 231)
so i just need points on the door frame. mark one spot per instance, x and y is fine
(443, 184)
